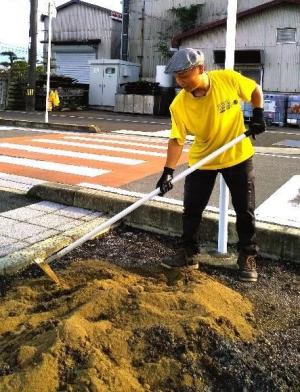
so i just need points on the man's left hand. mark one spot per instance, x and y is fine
(257, 123)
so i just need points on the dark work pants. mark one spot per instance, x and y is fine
(197, 190)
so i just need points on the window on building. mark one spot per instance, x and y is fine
(241, 56)
(286, 36)
(110, 70)
(252, 73)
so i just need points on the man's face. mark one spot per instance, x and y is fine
(189, 79)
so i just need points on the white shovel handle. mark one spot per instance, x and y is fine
(141, 201)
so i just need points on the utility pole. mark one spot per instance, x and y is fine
(32, 57)
(125, 24)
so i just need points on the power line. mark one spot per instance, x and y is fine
(20, 51)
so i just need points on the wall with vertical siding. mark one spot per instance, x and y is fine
(81, 23)
(217, 9)
(282, 61)
(159, 21)
(148, 21)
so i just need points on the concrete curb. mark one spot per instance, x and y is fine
(276, 242)
(50, 126)
(21, 259)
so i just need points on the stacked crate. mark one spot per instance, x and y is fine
(275, 105)
(293, 110)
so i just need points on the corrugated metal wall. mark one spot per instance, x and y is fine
(148, 21)
(158, 21)
(71, 24)
(81, 23)
(282, 61)
(217, 9)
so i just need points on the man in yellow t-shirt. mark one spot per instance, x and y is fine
(208, 107)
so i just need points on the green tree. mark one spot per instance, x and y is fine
(19, 69)
(186, 19)
(12, 57)
(187, 16)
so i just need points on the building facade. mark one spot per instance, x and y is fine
(82, 32)
(267, 40)
(267, 44)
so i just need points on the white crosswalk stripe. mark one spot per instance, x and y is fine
(51, 166)
(122, 142)
(107, 148)
(72, 154)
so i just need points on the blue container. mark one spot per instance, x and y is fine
(275, 107)
(293, 110)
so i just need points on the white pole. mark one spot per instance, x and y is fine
(229, 64)
(48, 61)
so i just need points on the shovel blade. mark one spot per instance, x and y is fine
(49, 272)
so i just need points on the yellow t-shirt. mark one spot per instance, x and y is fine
(214, 119)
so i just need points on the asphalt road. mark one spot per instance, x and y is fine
(103, 119)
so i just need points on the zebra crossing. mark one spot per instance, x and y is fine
(108, 159)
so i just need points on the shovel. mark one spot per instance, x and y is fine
(104, 226)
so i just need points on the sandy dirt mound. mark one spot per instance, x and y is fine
(115, 330)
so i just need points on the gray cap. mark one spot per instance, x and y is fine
(184, 59)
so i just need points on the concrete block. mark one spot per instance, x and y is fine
(12, 247)
(47, 206)
(42, 236)
(278, 242)
(6, 241)
(59, 193)
(119, 102)
(148, 104)
(23, 230)
(55, 221)
(138, 104)
(74, 212)
(128, 103)
(5, 224)
(23, 214)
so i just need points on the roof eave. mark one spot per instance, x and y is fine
(177, 38)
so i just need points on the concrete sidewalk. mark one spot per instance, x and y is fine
(39, 230)
(35, 124)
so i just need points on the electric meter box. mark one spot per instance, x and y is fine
(106, 76)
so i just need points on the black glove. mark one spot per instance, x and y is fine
(257, 123)
(164, 183)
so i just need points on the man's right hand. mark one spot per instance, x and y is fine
(164, 183)
(257, 123)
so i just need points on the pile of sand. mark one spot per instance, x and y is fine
(114, 330)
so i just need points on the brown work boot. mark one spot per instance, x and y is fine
(181, 259)
(247, 267)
